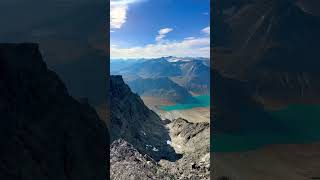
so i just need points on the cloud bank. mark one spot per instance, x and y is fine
(190, 46)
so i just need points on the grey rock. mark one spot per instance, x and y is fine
(127, 163)
(138, 125)
(193, 141)
(140, 149)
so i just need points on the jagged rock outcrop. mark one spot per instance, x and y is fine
(192, 136)
(193, 141)
(44, 132)
(132, 121)
(128, 163)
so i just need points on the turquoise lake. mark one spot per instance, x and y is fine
(204, 101)
(301, 121)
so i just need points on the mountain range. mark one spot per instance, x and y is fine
(161, 87)
(173, 78)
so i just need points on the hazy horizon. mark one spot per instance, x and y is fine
(151, 58)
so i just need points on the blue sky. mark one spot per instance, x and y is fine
(156, 28)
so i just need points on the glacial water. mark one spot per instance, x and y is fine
(302, 124)
(203, 101)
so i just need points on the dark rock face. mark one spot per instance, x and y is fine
(132, 121)
(310, 6)
(45, 133)
(265, 56)
(128, 163)
(73, 41)
(274, 46)
(235, 109)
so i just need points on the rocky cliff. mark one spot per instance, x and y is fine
(132, 121)
(149, 148)
(45, 133)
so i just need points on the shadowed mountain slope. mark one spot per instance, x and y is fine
(45, 133)
(273, 45)
(161, 87)
(132, 121)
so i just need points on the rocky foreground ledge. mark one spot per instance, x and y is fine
(189, 139)
(128, 163)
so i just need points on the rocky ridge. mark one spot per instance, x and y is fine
(132, 121)
(45, 133)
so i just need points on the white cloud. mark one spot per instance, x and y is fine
(196, 47)
(119, 2)
(165, 30)
(162, 33)
(206, 30)
(189, 38)
(118, 15)
(118, 12)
